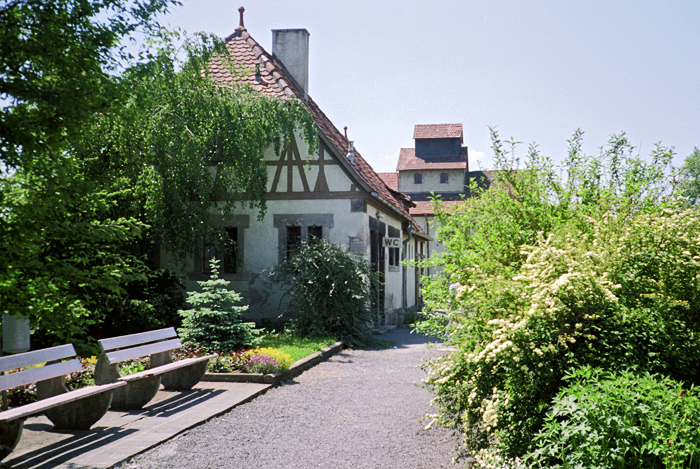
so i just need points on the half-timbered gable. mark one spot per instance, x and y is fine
(332, 193)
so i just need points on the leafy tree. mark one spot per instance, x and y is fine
(185, 144)
(63, 252)
(690, 177)
(330, 292)
(214, 322)
(59, 63)
(109, 157)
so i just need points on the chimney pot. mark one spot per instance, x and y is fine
(240, 22)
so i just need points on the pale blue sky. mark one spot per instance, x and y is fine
(536, 70)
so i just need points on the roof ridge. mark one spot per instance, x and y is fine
(277, 81)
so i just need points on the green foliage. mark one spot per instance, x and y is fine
(262, 364)
(66, 260)
(228, 362)
(66, 255)
(330, 291)
(283, 359)
(620, 420)
(59, 65)
(689, 173)
(108, 157)
(603, 299)
(607, 274)
(215, 323)
(296, 346)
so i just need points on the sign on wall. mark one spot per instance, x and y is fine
(391, 242)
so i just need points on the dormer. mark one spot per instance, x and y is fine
(435, 141)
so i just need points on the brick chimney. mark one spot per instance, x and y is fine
(291, 47)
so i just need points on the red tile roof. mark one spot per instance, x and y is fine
(425, 207)
(409, 161)
(391, 180)
(438, 131)
(274, 80)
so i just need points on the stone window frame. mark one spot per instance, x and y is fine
(241, 223)
(304, 221)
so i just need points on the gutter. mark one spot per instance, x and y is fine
(404, 274)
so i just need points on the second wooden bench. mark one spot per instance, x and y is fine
(47, 368)
(142, 386)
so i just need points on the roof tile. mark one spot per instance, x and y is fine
(391, 180)
(249, 55)
(408, 161)
(438, 131)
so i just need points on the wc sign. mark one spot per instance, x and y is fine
(391, 242)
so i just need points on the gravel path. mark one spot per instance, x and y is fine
(359, 409)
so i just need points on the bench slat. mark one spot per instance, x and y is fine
(136, 339)
(143, 350)
(25, 359)
(41, 373)
(164, 368)
(38, 407)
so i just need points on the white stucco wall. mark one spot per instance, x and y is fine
(343, 224)
(431, 181)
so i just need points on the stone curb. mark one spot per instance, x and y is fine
(276, 378)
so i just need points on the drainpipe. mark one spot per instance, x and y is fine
(427, 231)
(404, 295)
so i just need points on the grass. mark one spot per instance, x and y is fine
(297, 347)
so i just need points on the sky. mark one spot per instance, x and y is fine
(534, 70)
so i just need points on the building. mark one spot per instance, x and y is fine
(436, 167)
(332, 194)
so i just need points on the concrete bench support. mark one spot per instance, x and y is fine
(142, 387)
(73, 410)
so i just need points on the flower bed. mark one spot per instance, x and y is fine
(261, 365)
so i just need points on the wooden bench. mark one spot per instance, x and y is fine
(142, 386)
(73, 410)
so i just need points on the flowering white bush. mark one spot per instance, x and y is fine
(607, 276)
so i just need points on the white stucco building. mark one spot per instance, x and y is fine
(332, 194)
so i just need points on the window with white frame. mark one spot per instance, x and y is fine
(394, 253)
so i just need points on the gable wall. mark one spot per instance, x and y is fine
(303, 190)
(431, 181)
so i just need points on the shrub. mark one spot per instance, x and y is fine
(590, 263)
(84, 377)
(580, 299)
(330, 291)
(284, 360)
(215, 323)
(607, 420)
(230, 361)
(262, 364)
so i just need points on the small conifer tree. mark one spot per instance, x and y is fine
(214, 322)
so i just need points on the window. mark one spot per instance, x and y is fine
(294, 229)
(443, 178)
(394, 258)
(227, 252)
(417, 178)
(293, 240)
(208, 253)
(315, 234)
(231, 251)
